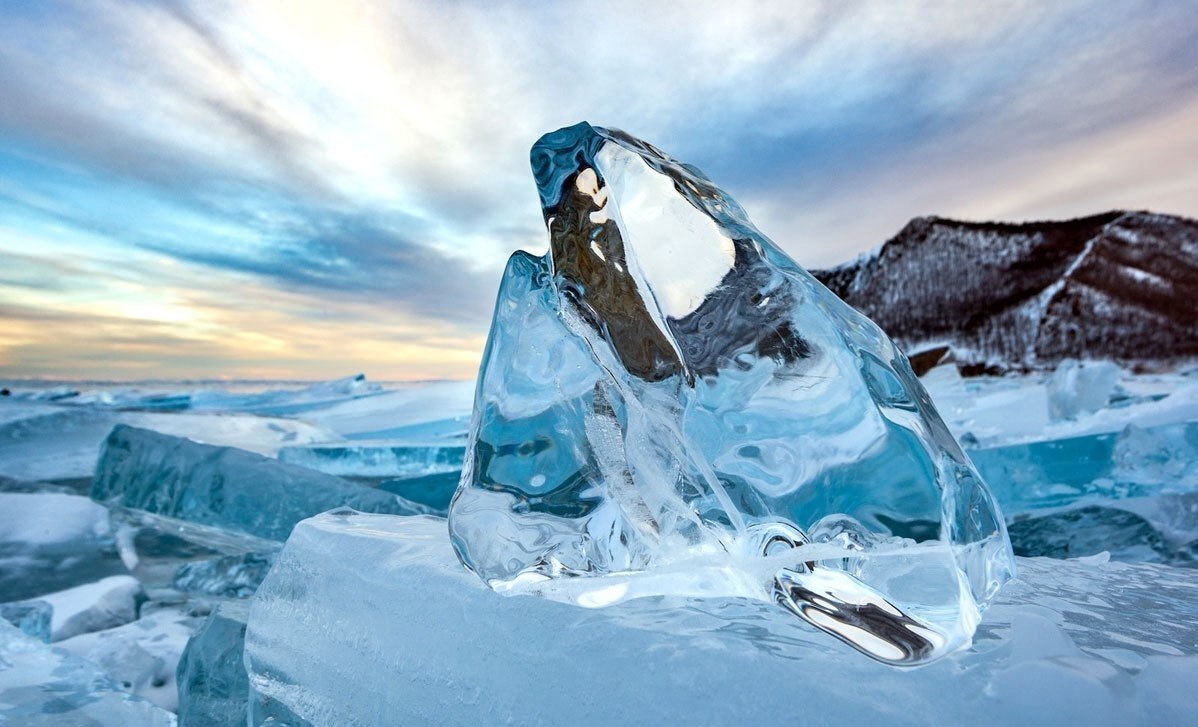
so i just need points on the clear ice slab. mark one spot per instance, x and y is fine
(223, 487)
(370, 619)
(668, 400)
(1135, 462)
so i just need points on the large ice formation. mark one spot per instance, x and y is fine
(223, 487)
(369, 619)
(668, 400)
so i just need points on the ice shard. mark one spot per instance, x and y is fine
(213, 685)
(668, 400)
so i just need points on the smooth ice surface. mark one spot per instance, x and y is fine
(379, 458)
(141, 656)
(213, 684)
(666, 392)
(369, 619)
(223, 487)
(41, 686)
(104, 604)
(50, 541)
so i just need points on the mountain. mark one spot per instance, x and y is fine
(1119, 285)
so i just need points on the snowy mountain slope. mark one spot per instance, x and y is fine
(1119, 285)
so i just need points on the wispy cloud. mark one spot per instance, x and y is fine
(311, 188)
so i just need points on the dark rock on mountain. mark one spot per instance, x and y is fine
(1120, 285)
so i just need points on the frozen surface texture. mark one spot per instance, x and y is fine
(229, 576)
(41, 686)
(666, 393)
(107, 603)
(31, 617)
(141, 656)
(213, 685)
(223, 487)
(50, 541)
(353, 623)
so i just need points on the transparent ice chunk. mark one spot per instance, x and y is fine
(1081, 388)
(223, 487)
(668, 399)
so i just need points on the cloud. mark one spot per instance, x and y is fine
(367, 163)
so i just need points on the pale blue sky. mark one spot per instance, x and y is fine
(310, 189)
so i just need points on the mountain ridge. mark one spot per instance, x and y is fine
(1120, 285)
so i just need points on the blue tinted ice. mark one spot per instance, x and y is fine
(223, 487)
(379, 458)
(669, 401)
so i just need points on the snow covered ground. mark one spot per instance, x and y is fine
(173, 536)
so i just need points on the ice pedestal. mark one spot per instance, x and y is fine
(221, 486)
(41, 686)
(370, 619)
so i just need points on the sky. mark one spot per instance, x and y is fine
(306, 190)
